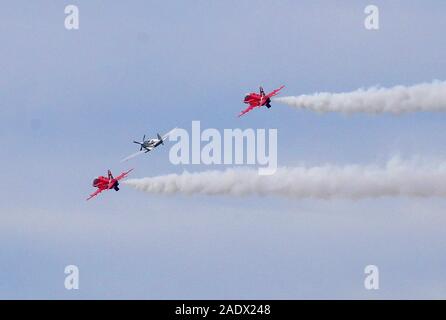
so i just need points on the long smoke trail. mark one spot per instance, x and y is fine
(395, 178)
(398, 99)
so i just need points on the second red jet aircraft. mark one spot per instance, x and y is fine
(107, 183)
(259, 99)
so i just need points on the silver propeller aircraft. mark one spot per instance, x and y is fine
(148, 145)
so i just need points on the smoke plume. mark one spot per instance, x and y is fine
(395, 178)
(398, 99)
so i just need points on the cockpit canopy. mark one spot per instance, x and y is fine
(99, 180)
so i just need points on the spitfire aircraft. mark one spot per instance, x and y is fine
(148, 145)
(259, 99)
(107, 183)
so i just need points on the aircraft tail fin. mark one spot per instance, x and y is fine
(160, 138)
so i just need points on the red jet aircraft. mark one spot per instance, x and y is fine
(107, 183)
(259, 99)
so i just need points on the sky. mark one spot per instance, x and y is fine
(72, 102)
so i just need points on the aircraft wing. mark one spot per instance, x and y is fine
(252, 106)
(274, 92)
(94, 194)
(123, 175)
(133, 155)
(168, 134)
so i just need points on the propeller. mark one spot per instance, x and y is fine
(141, 144)
(140, 148)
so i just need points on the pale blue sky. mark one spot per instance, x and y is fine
(71, 102)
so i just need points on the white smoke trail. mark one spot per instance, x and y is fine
(398, 99)
(395, 178)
